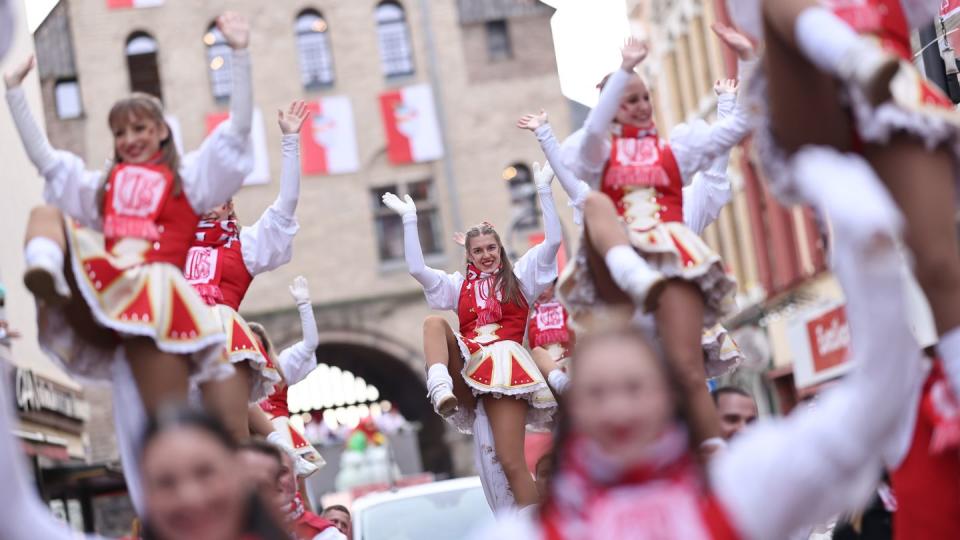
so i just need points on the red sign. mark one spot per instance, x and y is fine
(829, 337)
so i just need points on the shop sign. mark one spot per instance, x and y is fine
(820, 342)
(37, 394)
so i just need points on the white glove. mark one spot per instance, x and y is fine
(542, 176)
(404, 207)
(300, 291)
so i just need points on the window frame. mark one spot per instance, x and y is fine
(79, 98)
(429, 205)
(502, 31)
(326, 65)
(395, 28)
(221, 79)
(141, 62)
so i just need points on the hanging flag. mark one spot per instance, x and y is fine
(124, 4)
(261, 161)
(410, 122)
(328, 141)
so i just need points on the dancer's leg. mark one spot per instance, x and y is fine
(444, 364)
(508, 420)
(615, 266)
(680, 326)
(259, 422)
(161, 377)
(228, 399)
(44, 252)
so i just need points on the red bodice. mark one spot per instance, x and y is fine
(139, 203)
(218, 271)
(642, 178)
(512, 323)
(276, 403)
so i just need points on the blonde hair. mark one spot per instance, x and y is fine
(507, 283)
(141, 105)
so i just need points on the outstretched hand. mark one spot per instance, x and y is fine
(235, 29)
(542, 176)
(291, 120)
(15, 77)
(533, 121)
(634, 51)
(300, 290)
(726, 86)
(403, 207)
(737, 41)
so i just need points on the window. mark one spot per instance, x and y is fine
(142, 64)
(498, 41)
(218, 63)
(523, 197)
(389, 225)
(396, 56)
(66, 94)
(313, 46)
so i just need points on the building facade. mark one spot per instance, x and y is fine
(483, 63)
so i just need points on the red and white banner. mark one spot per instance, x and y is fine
(950, 13)
(328, 141)
(261, 160)
(410, 122)
(820, 342)
(125, 4)
(949, 8)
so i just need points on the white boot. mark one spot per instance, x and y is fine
(440, 390)
(632, 274)
(301, 467)
(44, 275)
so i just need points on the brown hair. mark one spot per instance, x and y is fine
(261, 333)
(141, 105)
(507, 283)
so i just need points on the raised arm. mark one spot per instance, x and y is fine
(441, 289)
(591, 152)
(820, 461)
(576, 189)
(268, 243)
(69, 185)
(298, 360)
(710, 190)
(216, 171)
(553, 233)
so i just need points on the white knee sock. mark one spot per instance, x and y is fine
(949, 350)
(438, 376)
(825, 39)
(626, 266)
(559, 381)
(42, 252)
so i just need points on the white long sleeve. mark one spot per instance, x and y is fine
(590, 149)
(552, 231)
(710, 190)
(268, 243)
(576, 189)
(69, 185)
(822, 461)
(241, 94)
(537, 268)
(298, 360)
(23, 514)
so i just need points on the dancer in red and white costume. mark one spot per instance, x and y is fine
(626, 468)
(703, 200)
(493, 374)
(548, 332)
(294, 364)
(225, 258)
(126, 237)
(859, 92)
(636, 247)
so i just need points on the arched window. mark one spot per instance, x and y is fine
(218, 62)
(523, 196)
(313, 45)
(396, 55)
(142, 65)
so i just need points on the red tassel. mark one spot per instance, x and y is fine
(554, 335)
(618, 177)
(490, 313)
(211, 294)
(115, 227)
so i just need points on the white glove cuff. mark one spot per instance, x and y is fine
(410, 217)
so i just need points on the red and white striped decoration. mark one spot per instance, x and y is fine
(328, 140)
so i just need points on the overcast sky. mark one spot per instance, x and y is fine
(36, 11)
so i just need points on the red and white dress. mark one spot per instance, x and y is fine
(645, 176)
(224, 258)
(126, 257)
(548, 329)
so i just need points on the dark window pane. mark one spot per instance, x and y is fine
(428, 223)
(376, 195)
(421, 191)
(498, 40)
(390, 236)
